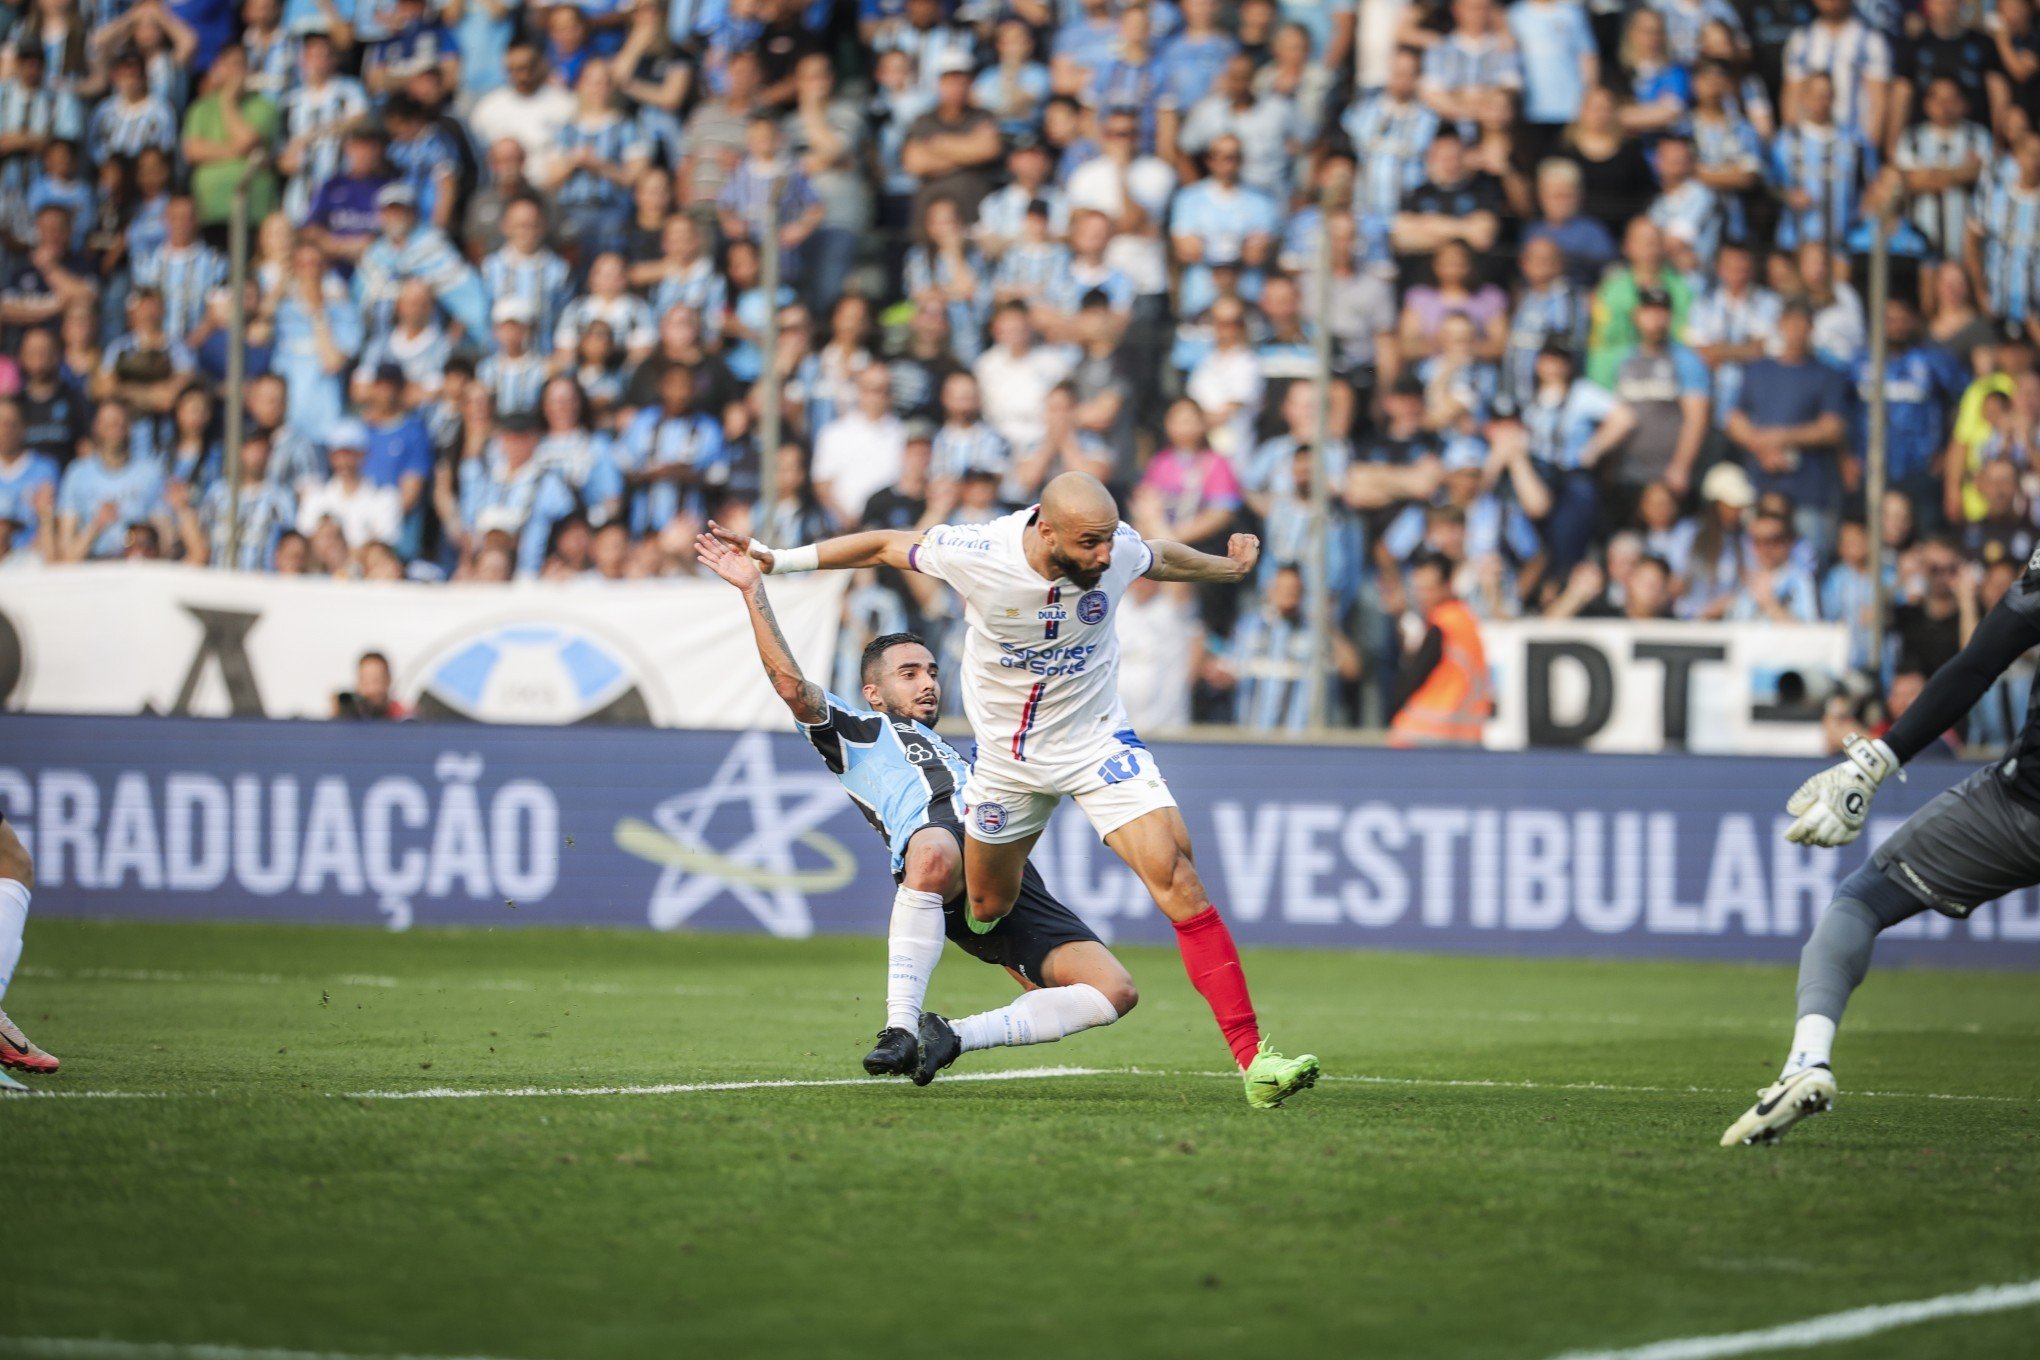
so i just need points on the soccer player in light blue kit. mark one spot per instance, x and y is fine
(908, 783)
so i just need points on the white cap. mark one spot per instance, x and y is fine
(348, 434)
(515, 309)
(1729, 484)
(953, 63)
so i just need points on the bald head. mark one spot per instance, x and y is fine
(1076, 497)
(1075, 528)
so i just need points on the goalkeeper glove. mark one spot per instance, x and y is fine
(1833, 805)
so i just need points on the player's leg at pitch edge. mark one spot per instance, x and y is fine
(17, 877)
(1832, 965)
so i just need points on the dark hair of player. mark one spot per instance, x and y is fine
(875, 650)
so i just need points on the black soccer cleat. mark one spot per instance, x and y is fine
(939, 1047)
(895, 1055)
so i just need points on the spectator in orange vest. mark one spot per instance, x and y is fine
(1443, 696)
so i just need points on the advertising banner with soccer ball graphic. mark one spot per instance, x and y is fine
(151, 638)
(1556, 853)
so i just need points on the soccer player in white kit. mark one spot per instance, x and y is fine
(1040, 687)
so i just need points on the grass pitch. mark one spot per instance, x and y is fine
(1508, 1188)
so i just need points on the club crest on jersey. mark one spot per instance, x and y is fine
(1092, 606)
(989, 817)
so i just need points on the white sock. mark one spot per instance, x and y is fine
(1813, 1043)
(1037, 1017)
(913, 948)
(13, 921)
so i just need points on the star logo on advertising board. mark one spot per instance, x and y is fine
(763, 869)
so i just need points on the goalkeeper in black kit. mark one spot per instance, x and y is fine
(1976, 842)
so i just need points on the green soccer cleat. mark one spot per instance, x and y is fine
(1272, 1078)
(10, 1087)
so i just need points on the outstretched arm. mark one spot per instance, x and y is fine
(1178, 562)
(873, 548)
(800, 694)
(2002, 637)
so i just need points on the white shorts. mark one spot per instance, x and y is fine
(1114, 781)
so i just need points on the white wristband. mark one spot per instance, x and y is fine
(787, 560)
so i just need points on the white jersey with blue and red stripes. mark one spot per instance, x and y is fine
(1041, 660)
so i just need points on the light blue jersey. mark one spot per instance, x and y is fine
(899, 773)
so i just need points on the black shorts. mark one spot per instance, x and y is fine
(1026, 935)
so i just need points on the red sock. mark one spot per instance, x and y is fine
(1213, 962)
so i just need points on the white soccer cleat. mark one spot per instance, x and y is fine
(1809, 1091)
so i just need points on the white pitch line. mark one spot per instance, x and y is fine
(1011, 1074)
(1830, 1328)
(87, 1348)
(688, 1088)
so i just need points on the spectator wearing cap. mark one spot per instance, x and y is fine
(1717, 554)
(1571, 424)
(318, 332)
(528, 109)
(408, 249)
(1733, 324)
(860, 450)
(515, 374)
(363, 511)
(952, 148)
(229, 133)
(927, 37)
(1790, 421)
(1015, 86)
(1665, 387)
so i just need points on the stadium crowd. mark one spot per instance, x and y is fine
(1595, 298)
